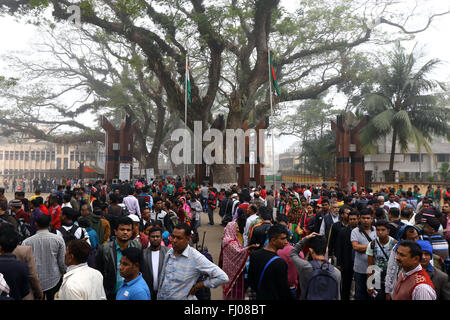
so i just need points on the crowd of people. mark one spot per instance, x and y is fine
(44, 184)
(139, 241)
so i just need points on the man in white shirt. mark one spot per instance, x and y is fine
(132, 204)
(391, 203)
(252, 216)
(80, 282)
(66, 201)
(153, 261)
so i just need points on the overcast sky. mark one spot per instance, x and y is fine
(434, 42)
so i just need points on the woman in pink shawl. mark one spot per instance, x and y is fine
(233, 257)
(186, 208)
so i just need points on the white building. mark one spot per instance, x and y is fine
(410, 164)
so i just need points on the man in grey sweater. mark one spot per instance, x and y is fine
(305, 269)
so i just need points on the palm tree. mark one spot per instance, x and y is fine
(404, 106)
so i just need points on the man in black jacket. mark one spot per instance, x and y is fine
(395, 222)
(108, 256)
(315, 222)
(225, 208)
(153, 260)
(15, 272)
(344, 254)
(336, 227)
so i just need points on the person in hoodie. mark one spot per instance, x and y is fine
(94, 220)
(406, 232)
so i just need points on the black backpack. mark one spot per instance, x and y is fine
(70, 234)
(323, 284)
(25, 230)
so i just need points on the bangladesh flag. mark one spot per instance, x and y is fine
(274, 79)
(188, 82)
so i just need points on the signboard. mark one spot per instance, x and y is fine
(150, 173)
(125, 171)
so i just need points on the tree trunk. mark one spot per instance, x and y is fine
(394, 141)
(225, 174)
(390, 177)
(151, 160)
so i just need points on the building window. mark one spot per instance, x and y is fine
(93, 156)
(42, 155)
(6, 155)
(21, 155)
(32, 156)
(27, 155)
(38, 156)
(58, 164)
(443, 157)
(1, 155)
(66, 149)
(82, 156)
(53, 156)
(415, 158)
(58, 149)
(17, 155)
(72, 156)
(66, 163)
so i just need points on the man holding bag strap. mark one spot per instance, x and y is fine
(267, 273)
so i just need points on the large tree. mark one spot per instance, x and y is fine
(311, 47)
(405, 105)
(103, 75)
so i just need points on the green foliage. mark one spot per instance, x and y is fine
(310, 120)
(319, 155)
(39, 3)
(444, 171)
(404, 105)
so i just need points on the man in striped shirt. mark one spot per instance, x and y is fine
(183, 265)
(430, 229)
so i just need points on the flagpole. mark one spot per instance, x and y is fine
(272, 133)
(185, 111)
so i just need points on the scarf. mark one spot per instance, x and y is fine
(186, 208)
(234, 256)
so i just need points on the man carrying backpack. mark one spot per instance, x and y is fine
(318, 279)
(68, 230)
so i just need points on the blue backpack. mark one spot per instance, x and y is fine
(323, 284)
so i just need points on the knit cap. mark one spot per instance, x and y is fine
(426, 246)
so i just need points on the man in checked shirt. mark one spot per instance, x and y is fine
(183, 265)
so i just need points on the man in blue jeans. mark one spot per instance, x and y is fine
(360, 238)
